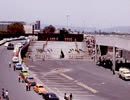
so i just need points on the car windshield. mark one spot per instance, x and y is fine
(52, 96)
(24, 72)
(18, 64)
(40, 86)
(126, 72)
(30, 78)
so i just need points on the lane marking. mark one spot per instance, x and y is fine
(66, 76)
(87, 87)
(79, 83)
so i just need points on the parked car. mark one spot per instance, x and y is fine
(31, 80)
(124, 73)
(105, 62)
(24, 74)
(39, 88)
(50, 96)
(22, 37)
(15, 59)
(10, 46)
(15, 53)
(18, 66)
(19, 45)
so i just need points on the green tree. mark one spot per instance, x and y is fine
(15, 28)
(49, 29)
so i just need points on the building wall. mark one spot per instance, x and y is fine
(126, 54)
(28, 29)
(37, 25)
(60, 37)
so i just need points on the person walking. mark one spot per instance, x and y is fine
(65, 96)
(6, 95)
(14, 67)
(19, 78)
(26, 86)
(71, 96)
(29, 86)
(9, 64)
(3, 93)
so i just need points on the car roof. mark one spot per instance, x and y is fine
(15, 57)
(39, 84)
(123, 69)
(51, 95)
(24, 71)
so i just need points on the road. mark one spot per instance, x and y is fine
(82, 78)
(9, 79)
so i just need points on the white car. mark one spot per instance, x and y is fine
(19, 45)
(15, 59)
(124, 73)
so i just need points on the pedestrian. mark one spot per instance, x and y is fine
(6, 95)
(19, 78)
(23, 78)
(26, 86)
(29, 86)
(3, 93)
(65, 97)
(10, 64)
(71, 96)
(113, 72)
(14, 67)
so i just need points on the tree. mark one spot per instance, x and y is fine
(15, 28)
(49, 29)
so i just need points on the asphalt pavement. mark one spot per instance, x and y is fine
(9, 79)
(83, 79)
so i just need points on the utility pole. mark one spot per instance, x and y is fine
(114, 60)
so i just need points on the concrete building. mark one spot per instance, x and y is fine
(37, 25)
(28, 29)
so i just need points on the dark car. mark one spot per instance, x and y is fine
(10, 46)
(30, 79)
(50, 96)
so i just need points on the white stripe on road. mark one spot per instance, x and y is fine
(66, 76)
(87, 87)
(79, 83)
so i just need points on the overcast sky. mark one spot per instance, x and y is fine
(87, 13)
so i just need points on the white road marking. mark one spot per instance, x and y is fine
(79, 83)
(87, 87)
(66, 76)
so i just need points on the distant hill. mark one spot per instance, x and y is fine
(81, 29)
(119, 29)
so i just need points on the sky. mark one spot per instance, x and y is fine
(81, 13)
